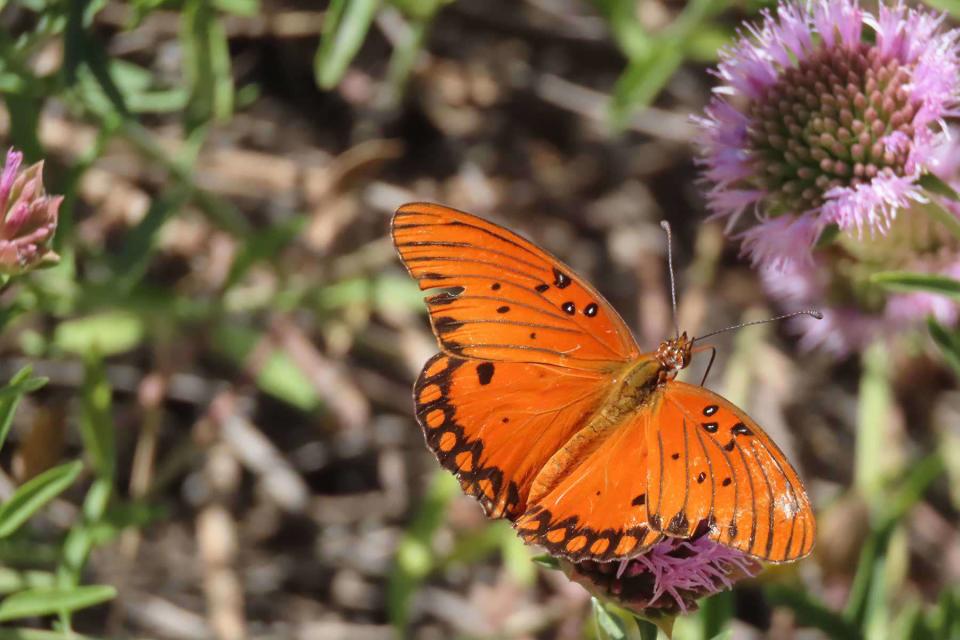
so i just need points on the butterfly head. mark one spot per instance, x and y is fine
(674, 354)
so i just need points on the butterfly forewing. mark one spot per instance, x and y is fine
(709, 462)
(506, 299)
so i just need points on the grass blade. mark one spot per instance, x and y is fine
(344, 30)
(34, 494)
(44, 602)
(907, 282)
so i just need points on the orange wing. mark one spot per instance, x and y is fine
(708, 461)
(507, 299)
(590, 501)
(495, 424)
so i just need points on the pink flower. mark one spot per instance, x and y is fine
(826, 114)
(29, 217)
(668, 578)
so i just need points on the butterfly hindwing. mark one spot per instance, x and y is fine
(710, 463)
(589, 503)
(495, 424)
(506, 299)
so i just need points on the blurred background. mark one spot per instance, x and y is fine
(230, 341)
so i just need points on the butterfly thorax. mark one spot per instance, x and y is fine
(636, 385)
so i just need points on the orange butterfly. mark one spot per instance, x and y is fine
(549, 413)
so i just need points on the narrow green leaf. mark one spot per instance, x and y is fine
(546, 561)
(21, 383)
(50, 601)
(905, 281)
(874, 408)
(642, 81)
(715, 613)
(34, 494)
(345, 27)
(935, 208)
(948, 342)
(38, 634)
(206, 57)
(96, 421)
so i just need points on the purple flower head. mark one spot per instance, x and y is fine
(29, 217)
(668, 578)
(826, 115)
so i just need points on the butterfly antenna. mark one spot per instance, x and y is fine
(813, 313)
(673, 285)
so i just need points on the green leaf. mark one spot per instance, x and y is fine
(247, 8)
(935, 209)
(50, 601)
(875, 403)
(105, 334)
(34, 494)
(345, 27)
(547, 561)
(949, 343)
(96, 421)
(642, 81)
(12, 580)
(38, 634)
(612, 622)
(21, 383)
(715, 613)
(206, 57)
(905, 281)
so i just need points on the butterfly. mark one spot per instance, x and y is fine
(549, 413)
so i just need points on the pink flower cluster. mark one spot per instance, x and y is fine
(29, 217)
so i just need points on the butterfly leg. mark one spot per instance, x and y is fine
(713, 355)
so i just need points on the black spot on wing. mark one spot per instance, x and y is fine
(741, 429)
(560, 279)
(485, 372)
